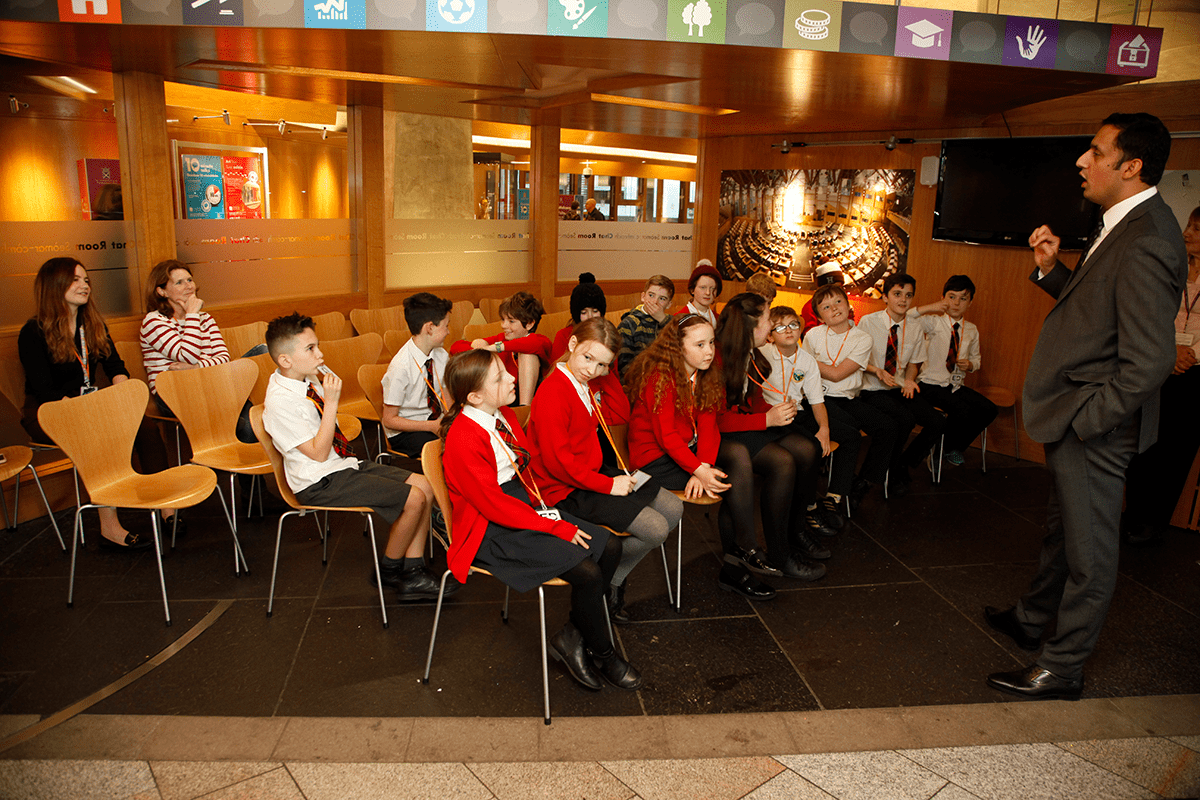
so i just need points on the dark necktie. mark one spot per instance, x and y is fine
(507, 436)
(341, 444)
(952, 353)
(431, 398)
(889, 359)
(1091, 242)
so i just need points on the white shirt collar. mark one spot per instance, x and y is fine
(485, 420)
(581, 389)
(293, 385)
(1117, 213)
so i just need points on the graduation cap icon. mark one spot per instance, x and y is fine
(925, 33)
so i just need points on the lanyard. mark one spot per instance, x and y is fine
(608, 434)
(83, 359)
(425, 377)
(766, 384)
(532, 485)
(833, 360)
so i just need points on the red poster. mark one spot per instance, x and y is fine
(100, 188)
(244, 191)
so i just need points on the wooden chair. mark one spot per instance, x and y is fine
(17, 459)
(473, 332)
(431, 462)
(331, 325)
(393, 340)
(522, 415)
(378, 320)
(239, 340)
(490, 308)
(208, 402)
(344, 357)
(1002, 398)
(131, 354)
(615, 316)
(96, 431)
(553, 323)
(460, 314)
(555, 304)
(349, 424)
(620, 441)
(370, 380)
(299, 509)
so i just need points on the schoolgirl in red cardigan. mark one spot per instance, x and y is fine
(757, 439)
(525, 352)
(568, 419)
(494, 524)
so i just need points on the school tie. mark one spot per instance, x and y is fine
(431, 398)
(507, 436)
(341, 444)
(889, 359)
(952, 353)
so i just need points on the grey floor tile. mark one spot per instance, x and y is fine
(787, 785)
(695, 779)
(1192, 742)
(274, 785)
(1025, 772)
(882, 775)
(182, 780)
(78, 780)
(390, 781)
(581, 780)
(952, 792)
(1163, 766)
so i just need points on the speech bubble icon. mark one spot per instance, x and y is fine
(152, 6)
(638, 13)
(977, 36)
(1083, 45)
(517, 10)
(754, 19)
(868, 27)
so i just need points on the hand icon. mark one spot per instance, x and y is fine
(1037, 38)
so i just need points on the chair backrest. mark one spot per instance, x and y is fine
(12, 381)
(208, 400)
(96, 430)
(266, 366)
(131, 354)
(370, 380)
(460, 314)
(522, 414)
(378, 320)
(490, 308)
(345, 356)
(431, 465)
(553, 323)
(615, 316)
(274, 456)
(394, 340)
(473, 332)
(331, 325)
(620, 437)
(239, 339)
(553, 305)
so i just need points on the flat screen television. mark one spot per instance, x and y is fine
(996, 191)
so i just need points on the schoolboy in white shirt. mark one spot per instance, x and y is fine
(300, 413)
(890, 386)
(952, 350)
(842, 352)
(413, 402)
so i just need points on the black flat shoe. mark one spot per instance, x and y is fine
(803, 570)
(418, 583)
(1035, 683)
(166, 524)
(831, 515)
(804, 543)
(567, 647)
(616, 605)
(133, 541)
(1006, 622)
(739, 579)
(619, 672)
(751, 560)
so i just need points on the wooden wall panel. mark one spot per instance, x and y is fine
(39, 164)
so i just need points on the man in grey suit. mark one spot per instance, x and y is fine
(1091, 395)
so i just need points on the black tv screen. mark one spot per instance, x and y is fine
(996, 191)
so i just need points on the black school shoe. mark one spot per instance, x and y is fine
(751, 560)
(805, 545)
(831, 515)
(414, 583)
(736, 578)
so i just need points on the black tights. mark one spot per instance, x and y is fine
(788, 468)
(589, 579)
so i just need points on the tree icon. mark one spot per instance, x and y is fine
(697, 13)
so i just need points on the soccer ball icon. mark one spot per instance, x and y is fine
(456, 12)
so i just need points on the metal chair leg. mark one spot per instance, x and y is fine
(375, 562)
(49, 512)
(985, 449)
(545, 664)
(275, 563)
(162, 578)
(9, 522)
(437, 616)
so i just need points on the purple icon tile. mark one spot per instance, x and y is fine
(923, 33)
(1030, 42)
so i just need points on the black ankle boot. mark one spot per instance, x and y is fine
(617, 671)
(616, 605)
(805, 545)
(567, 646)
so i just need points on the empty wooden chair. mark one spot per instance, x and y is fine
(16, 459)
(241, 338)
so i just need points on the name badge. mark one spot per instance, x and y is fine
(88, 389)
(639, 479)
(1185, 338)
(549, 513)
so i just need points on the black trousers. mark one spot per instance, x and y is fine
(907, 414)
(876, 424)
(845, 432)
(1155, 478)
(967, 413)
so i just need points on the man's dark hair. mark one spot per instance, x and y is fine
(424, 307)
(282, 330)
(1143, 136)
(524, 308)
(898, 279)
(959, 283)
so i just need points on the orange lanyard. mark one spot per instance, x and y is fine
(532, 485)
(83, 359)
(833, 360)
(766, 384)
(441, 401)
(608, 434)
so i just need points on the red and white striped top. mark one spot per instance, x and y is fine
(195, 340)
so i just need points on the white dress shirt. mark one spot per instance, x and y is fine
(835, 349)
(292, 419)
(938, 329)
(910, 339)
(503, 454)
(798, 375)
(404, 383)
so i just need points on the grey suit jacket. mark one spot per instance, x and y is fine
(1109, 342)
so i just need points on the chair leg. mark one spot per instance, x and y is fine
(437, 616)
(12, 524)
(76, 538)
(38, 482)
(504, 611)
(78, 500)
(237, 544)
(545, 664)
(275, 563)
(679, 566)
(667, 567)
(984, 442)
(9, 522)
(1016, 434)
(378, 577)
(162, 578)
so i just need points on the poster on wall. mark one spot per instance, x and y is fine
(100, 188)
(214, 182)
(786, 223)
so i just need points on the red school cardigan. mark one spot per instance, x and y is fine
(533, 344)
(475, 496)
(563, 432)
(653, 435)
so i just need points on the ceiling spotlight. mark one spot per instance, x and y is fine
(890, 144)
(587, 169)
(223, 115)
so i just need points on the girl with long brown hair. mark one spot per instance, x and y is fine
(495, 524)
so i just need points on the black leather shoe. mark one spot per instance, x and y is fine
(567, 646)
(897, 489)
(738, 579)
(1036, 683)
(1144, 536)
(1006, 622)
(814, 523)
(751, 560)
(805, 544)
(133, 541)
(831, 515)
(803, 570)
(617, 671)
(418, 583)
(616, 605)
(859, 490)
(167, 525)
